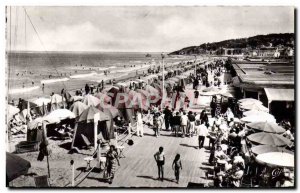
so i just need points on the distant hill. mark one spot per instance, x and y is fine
(286, 39)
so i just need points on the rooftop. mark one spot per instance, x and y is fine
(262, 75)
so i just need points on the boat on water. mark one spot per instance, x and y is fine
(148, 55)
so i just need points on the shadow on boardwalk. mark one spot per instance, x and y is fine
(187, 145)
(156, 179)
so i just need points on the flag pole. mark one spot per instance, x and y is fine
(163, 81)
(46, 143)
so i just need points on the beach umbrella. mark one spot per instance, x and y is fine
(41, 101)
(256, 118)
(249, 100)
(61, 114)
(140, 80)
(104, 98)
(268, 127)
(171, 82)
(15, 166)
(76, 98)
(174, 79)
(56, 98)
(77, 108)
(151, 89)
(39, 121)
(211, 89)
(113, 89)
(111, 111)
(276, 159)
(227, 94)
(121, 84)
(112, 92)
(269, 139)
(121, 100)
(256, 113)
(137, 100)
(254, 106)
(158, 87)
(23, 114)
(143, 92)
(11, 111)
(260, 149)
(88, 115)
(90, 100)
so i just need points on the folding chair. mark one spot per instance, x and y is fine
(42, 181)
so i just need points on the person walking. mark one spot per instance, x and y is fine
(196, 95)
(177, 166)
(111, 163)
(87, 89)
(176, 123)
(167, 117)
(155, 125)
(184, 123)
(192, 120)
(160, 160)
(139, 124)
(202, 133)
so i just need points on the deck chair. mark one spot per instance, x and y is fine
(42, 181)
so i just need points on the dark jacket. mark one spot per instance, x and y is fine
(176, 120)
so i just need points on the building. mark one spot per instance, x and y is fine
(271, 83)
(268, 52)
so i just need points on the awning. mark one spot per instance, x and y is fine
(275, 94)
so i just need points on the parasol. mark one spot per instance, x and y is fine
(61, 114)
(41, 101)
(256, 118)
(254, 106)
(56, 98)
(76, 98)
(268, 127)
(88, 115)
(249, 100)
(90, 100)
(11, 111)
(260, 149)
(77, 108)
(276, 159)
(256, 113)
(269, 139)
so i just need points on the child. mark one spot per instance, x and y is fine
(177, 166)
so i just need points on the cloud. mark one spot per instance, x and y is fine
(145, 28)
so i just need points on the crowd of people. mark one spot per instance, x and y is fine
(218, 125)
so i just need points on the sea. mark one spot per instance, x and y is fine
(27, 71)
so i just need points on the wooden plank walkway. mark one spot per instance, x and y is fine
(139, 168)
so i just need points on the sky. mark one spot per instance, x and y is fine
(138, 29)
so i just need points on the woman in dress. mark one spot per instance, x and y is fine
(111, 163)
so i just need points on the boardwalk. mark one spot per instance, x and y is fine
(139, 169)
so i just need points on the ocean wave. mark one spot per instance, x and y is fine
(83, 75)
(54, 80)
(22, 90)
